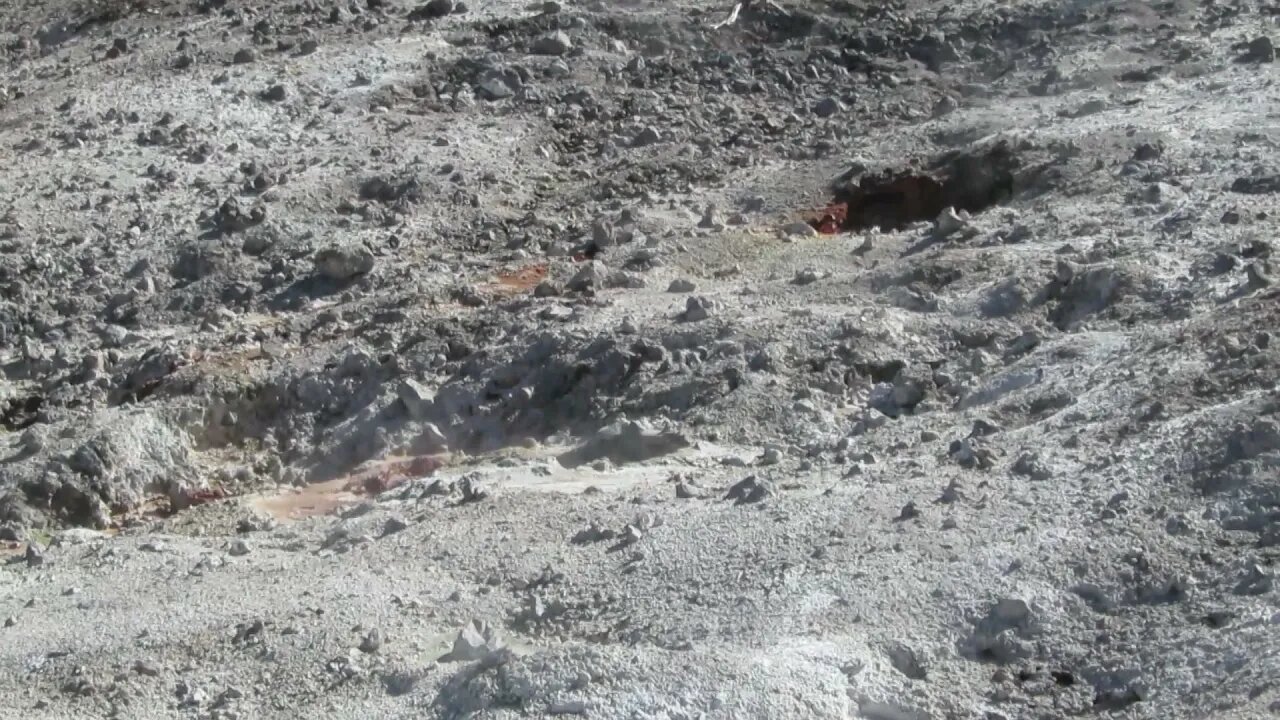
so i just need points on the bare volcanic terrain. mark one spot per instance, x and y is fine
(639, 359)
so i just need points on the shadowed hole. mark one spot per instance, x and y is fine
(21, 413)
(969, 181)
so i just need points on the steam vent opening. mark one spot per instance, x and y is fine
(892, 200)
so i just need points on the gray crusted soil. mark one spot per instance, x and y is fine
(387, 359)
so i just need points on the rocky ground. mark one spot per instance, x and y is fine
(842, 359)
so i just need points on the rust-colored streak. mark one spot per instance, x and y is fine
(327, 497)
(200, 497)
(831, 220)
(393, 474)
(523, 279)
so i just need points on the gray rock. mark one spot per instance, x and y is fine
(436, 9)
(749, 490)
(431, 435)
(827, 107)
(711, 219)
(907, 394)
(126, 457)
(1145, 152)
(603, 233)
(244, 56)
(627, 442)
(624, 279)
(1256, 185)
(1010, 612)
(418, 400)
(238, 548)
(630, 535)
(681, 285)
(951, 493)
(871, 419)
(647, 136)
(945, 106)
(1001, 636)
(546, 289)
(592, 276)
(493, 88)
(372, 641)
(1258, 274)
(1177, 524)
(31, 441)
(1260, 50)
(949, 222)
(807, 276)
(275, 93)
(341, 263)
(394, 525)
(471, 489)
(476, 641)
(969, 455)
(556, 43)
(697, 308)
(559, 313)
(1030, 465)
(1255, 581)
(1163, 194)
(256, 243)
(558, 69)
